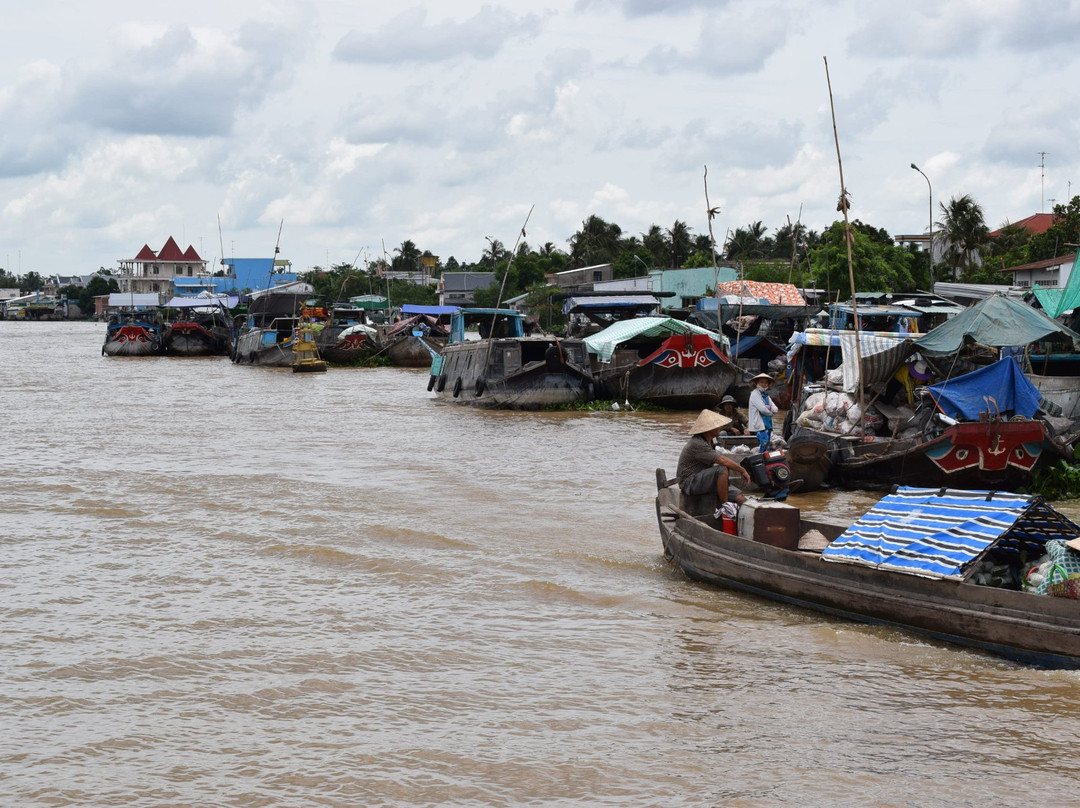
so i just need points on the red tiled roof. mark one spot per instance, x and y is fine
(146, 254)
(170, 252)
(190, 254)
(1035, 224)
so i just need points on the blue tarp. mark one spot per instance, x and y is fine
(434, 311)
(929, 531)
(998, 388)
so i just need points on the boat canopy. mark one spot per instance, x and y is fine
(883, 352)
(222, 301)
(998, 321)
(431, 311)
(939, 533)
(645, 303)
(128, 300)
(1000, 387)
(604, 343)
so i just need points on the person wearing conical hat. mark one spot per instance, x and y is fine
(761, 409)
(701, 470)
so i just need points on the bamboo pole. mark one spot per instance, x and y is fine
(843, 206)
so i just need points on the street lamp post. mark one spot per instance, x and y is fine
(931, 189)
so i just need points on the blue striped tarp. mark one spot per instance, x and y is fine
(929, 531)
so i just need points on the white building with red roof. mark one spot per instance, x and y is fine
(152, 272)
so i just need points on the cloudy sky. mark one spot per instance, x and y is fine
(362, 124)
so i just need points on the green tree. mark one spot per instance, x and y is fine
(597, 242)
(1065, 231)
(748, 242)
(31, 282)
(407, 258)
(964, 231)
(877, 264)
(680, 243)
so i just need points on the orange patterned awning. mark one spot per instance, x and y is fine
(779, 294)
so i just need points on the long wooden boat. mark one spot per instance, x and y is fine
(133, 334)
(266, 334)
(342, 333)
(202, 326)
(411, 342)
(662, 361)
(760, 555)
(504, 368)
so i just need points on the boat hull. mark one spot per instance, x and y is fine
(265, 347)
(413, 352)
(196, 339)
(344, 350)
(1028, 628)
(681, 372)
(992, 455)
(132, 340)
(519, 374)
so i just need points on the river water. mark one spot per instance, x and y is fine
(237, 586)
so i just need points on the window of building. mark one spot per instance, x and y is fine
(598, 275)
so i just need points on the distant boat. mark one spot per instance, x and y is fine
(204, 327)
(342, 333)
(133, 327)
(266, 336)
(506, 369)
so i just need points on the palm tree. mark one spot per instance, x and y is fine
(597, 242)
(963, 232)
(748, 242)
(408, 257)
(679, 243)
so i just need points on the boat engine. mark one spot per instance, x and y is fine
(770, 472)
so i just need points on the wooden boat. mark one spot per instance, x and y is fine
(932, 592)
(411, 342)
(203, 328)
(342, 333)
(956, 436)
(133, 333)
(266, 335)
(661, 361)
(504, 368)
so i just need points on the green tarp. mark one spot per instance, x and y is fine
(1056, 302)
(998, 321)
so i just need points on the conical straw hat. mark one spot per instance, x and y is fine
(707, 421)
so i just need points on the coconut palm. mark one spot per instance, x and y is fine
(964, 233)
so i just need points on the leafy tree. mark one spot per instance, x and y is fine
(407, 258)
(963, 228)
(31, 282)
(877, 264)
(655, 243)
(1063, 232)
(748, 242)
(680, 244)
(597, 242)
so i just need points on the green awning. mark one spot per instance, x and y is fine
(998, 321)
